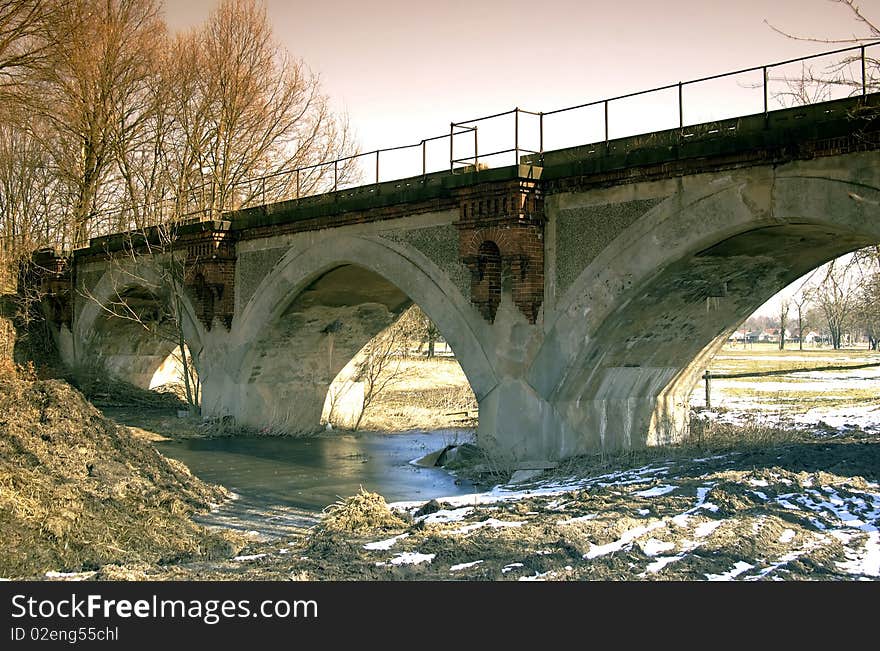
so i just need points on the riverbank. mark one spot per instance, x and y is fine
(78, 491)
(788, 506)
(749, 499)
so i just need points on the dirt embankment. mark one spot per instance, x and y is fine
(78, 491)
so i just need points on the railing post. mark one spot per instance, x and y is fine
(424, 158)
(335, 175)
(606, 126)
(541, 135)
(680, 108)
(516, 136)
(451, 151)
(764, 69)
(864, 79)
(377, 167)
(263, 189)
(707, 376)
(297, 183)
(476, 152)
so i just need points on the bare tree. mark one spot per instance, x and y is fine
(102, 58)
(836, 302)
(28, 218)
(24, 41)
(801, 301)
(868, 308)
(816, 84)
(245, 110)
(379, 365)
(784, 308)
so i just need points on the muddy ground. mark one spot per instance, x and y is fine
(804, 508)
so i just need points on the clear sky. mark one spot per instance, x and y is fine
(403, 69)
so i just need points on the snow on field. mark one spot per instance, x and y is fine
(770, 399)
(739, 568)
(507, 493)
(446, 515)
(249, 557)
(656, 491)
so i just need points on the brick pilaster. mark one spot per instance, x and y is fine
(501, 230)
(210, 275)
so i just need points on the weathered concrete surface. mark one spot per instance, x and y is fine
(326, 298)
(633, 330)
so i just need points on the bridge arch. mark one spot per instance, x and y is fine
(636, 328)
(322, 302)
(123, 347)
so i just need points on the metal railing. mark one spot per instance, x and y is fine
(470, 128)
(289, 183)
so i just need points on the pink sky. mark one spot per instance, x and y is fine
(403, 69)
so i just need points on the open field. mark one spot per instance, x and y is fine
(832, 399)
(426, 394)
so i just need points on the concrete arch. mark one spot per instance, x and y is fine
(278, 299)
(125, 349)
(621, 359)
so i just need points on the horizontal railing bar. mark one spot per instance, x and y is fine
(486, 117)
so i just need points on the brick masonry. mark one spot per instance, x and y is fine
(501, 231)
(210, 275)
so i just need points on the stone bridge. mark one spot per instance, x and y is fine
(582, 291)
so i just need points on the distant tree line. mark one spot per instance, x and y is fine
(839, 301)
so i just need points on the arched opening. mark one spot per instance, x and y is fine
(171, 375)
(807, 357)
(406, 377)
(128, 338)
(633, 384)
(133, 334)
(486, 284)
(349, 340)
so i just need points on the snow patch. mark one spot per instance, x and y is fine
(409, 558)
(656, 491)
(739, 568)
(707, 528)
(248, 557)
(625, 539)
(463, 566)
(384, 545)
(652, 546)
(787, 536)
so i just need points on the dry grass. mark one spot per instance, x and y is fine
(360, 513)
(430, 394)
(78, 491)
